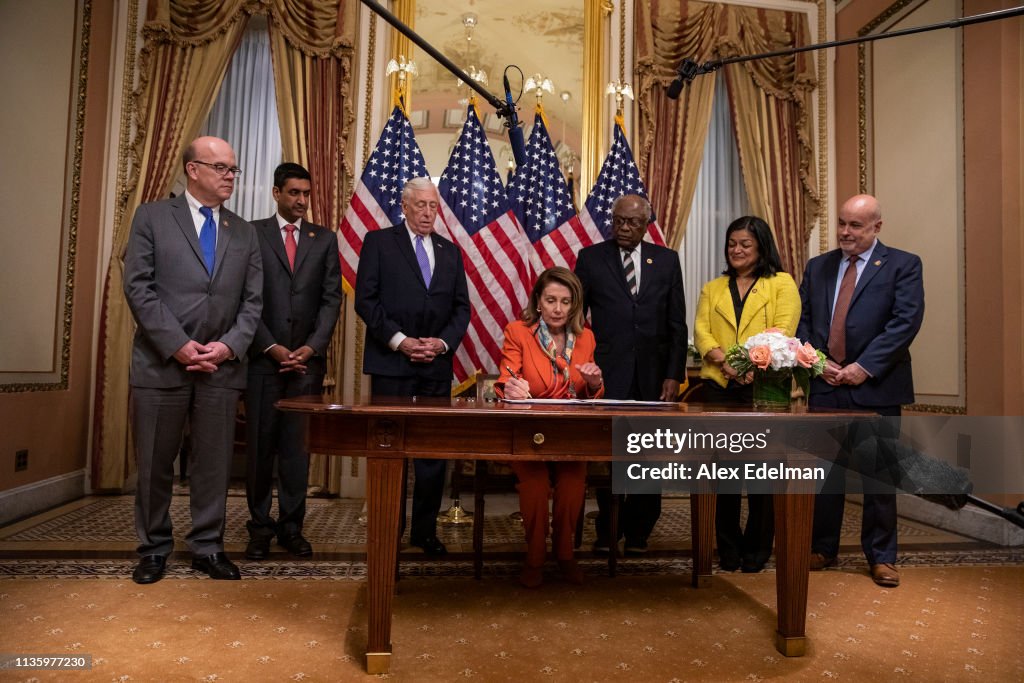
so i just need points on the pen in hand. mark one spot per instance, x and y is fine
(515, 376)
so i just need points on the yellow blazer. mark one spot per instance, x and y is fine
(771, 302)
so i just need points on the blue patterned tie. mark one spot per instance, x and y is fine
(208, 238)
(421, 258)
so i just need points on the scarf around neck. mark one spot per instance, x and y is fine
(559, 364)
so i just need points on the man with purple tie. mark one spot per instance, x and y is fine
(411, 292)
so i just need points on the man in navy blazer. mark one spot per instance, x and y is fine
(301, 301)
(193, 278)
(641, 338)
(411, 292)
(868, 341)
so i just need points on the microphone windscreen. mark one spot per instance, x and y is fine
(674, 88)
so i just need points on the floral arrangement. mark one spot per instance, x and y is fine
(771, 355)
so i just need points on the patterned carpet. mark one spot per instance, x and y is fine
(65, 589)
(98, 532)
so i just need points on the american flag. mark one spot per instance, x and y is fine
(618, 176)
(543, 205)
(377, 201)
(476, 216)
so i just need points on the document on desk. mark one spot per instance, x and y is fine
(618, 403)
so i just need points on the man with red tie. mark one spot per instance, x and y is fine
(864, 303)
(301, 301)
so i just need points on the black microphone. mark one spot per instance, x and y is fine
(686, 72)
(515, 132)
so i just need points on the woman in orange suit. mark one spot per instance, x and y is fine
(552, 356)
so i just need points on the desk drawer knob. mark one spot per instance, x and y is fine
(538, 438)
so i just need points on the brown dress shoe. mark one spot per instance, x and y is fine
(531, 577)
(885, 575)
(819, 562)
(571, 571)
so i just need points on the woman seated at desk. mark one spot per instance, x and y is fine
(552, 356)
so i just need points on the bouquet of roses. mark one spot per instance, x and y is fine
(773, 353)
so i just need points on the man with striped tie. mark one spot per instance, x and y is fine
(634, 292)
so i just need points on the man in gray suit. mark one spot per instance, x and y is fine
(301, 300)
(193, 278)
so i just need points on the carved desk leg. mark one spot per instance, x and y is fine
(793, 520)
(702, 536)
(383, 491)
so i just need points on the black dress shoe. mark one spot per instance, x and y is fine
(216, 566)
(296, 545)
(150, 569)
(636, 547)
(728, 564)
(258, 549)
(431, 546)
(751, 566)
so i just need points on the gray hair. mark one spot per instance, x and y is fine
(417, 185)
(643, 202)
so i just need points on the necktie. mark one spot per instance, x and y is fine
(421, 258)
(289, 245)
(837, 332)
(630, 269)
(208, 238)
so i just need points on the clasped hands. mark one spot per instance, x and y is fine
(291, 361)
(422, 349)
(198, 357)
(852, 374)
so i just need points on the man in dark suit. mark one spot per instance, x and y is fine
(193, 278)
(634, 293)
(301, 300)
(411, 293)
(864, 303)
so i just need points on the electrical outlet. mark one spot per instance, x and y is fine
(21, 460)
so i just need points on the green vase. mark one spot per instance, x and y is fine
(773, 389)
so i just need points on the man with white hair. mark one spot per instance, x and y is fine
(411, 292)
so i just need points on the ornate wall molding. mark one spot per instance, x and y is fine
(72, 194)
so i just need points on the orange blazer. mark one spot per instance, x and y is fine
(521, 352)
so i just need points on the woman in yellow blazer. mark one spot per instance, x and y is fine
(550, 355)
(752, 295)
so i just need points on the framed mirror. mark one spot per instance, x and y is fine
(545, 38)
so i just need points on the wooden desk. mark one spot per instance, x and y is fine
(387, 432)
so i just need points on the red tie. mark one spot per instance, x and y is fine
(289, 245)
(837, 332)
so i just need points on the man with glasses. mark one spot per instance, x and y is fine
(633, 291)
(411, 292)
(193, 278)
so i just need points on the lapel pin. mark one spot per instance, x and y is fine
(878, 263)
(310, 234)
(650, 261)
(754, 290)
(224, 224)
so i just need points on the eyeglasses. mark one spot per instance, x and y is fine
(634, 222)
(220, 169)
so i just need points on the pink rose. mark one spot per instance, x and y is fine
(774, 330)
(806, 356)
(793, 344)
(761, 356)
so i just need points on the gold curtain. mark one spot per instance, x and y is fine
(771, 105)
(771, 112)
(673, 131)
(187, 46)
(312, 53)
